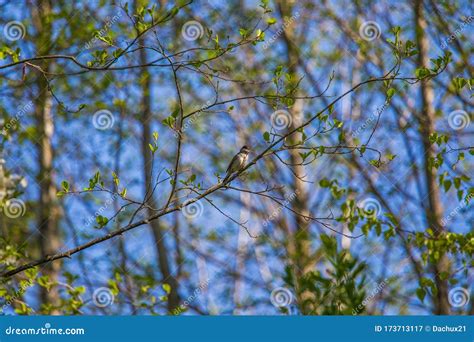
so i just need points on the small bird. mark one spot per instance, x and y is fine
(237, 163)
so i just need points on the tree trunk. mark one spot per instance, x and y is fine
(48, 209)
(434, 210)
(299, 244)
(158, 232)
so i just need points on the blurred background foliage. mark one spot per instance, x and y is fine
(363, 209)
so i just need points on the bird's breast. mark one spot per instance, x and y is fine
(243, 159)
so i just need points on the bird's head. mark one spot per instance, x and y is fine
(245, 149)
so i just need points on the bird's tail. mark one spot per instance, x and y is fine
(226, 177)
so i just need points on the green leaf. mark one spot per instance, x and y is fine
(175, 113)
(124, 192)
(324, 183)
(80, 289)
(444, 275)
(447, 185)
(101, 221)
(169, 121)
(31, 272)
(167, 288)
(422, 73)
(113, 287)
(460, 194)
(117, 53)
(44, 281)
(390, 93)
(266, 136)
(378, 229)
(396, 30)
(337, 123)
(271, 21)
(65, 186)
(304, 155)
(116, 179)
(243, 32)
(421, 293)
(457, 182)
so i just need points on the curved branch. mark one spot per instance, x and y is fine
(166, 210)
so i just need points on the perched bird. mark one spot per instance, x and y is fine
(237, 163)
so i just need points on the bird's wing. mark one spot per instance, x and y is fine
(231, 163)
